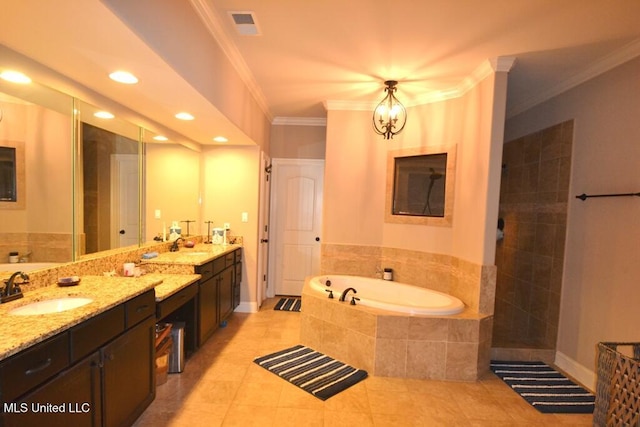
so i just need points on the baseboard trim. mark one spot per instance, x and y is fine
(581, 373)
(247, 307)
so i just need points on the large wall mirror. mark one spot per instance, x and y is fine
(420, 184)
(36, 122)
(87, 181)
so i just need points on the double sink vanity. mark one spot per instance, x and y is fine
(85, 355)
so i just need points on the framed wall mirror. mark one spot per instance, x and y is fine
(8, 176)
(420, 184)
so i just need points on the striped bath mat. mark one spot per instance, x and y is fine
(544, 388)
(312, 371)
(288, 304)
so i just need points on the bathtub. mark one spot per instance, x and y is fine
(388, 295)
(26, 266)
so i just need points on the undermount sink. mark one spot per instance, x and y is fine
(50, 306)
(196, 253)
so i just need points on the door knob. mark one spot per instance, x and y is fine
(122, 232)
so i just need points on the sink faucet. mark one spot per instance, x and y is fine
(11, 289)
(343, 295)
(174, 246)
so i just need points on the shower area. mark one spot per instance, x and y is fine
(529, 259)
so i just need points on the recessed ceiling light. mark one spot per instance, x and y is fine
(184, 116)
(220, 139)
(160, 138)
(104, 115)
(123, 77)
(15, 77)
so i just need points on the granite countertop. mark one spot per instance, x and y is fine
(172, 283)
(21, 332)
(200, 254)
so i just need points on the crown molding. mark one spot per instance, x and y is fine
(614, 59)
(485, 69)
(299, 121)
(214, 24)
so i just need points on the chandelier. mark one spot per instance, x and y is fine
(390, 116)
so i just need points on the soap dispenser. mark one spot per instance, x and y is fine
(175, 231)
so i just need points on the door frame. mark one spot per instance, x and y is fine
(263, 229)
(273, 239)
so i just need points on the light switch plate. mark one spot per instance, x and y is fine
(157, 214)
(245, 216)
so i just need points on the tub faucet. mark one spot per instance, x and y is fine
(344, 293)
(11, 289)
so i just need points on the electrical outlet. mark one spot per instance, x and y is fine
(157, 214)
(227, 226)
(245, 216)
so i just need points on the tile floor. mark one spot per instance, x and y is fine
(221, 386)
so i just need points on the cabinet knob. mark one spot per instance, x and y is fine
(264, 240)
(122, 232)
(317, 239)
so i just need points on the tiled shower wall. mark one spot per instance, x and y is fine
(529, 260)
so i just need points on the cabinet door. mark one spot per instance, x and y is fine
(226, 293)
(207, 309)
(75, 391)
(129, 384)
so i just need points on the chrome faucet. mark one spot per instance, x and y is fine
(174, 246)
(12, 290)
(344, 293)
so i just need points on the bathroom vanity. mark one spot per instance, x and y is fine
(95, 364)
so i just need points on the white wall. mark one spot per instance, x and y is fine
(600, 293)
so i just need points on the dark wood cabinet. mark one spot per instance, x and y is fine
(225, 289)
(98, 373)
(128, 374)
(207, 309)
(74, 393)
(237, 280)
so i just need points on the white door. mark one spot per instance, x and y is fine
(125, 215)
(263, 228)
(296, 216)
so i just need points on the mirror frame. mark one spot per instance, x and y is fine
(20, 180)
(440, 221)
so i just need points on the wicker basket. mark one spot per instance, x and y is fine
(618, 386)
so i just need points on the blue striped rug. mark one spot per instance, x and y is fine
(288, 304)
(544, 388)
(312, 371)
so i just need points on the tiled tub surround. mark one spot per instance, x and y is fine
(427, 347)
(455, 347)
(472, 283)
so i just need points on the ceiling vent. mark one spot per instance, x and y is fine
(245, 23)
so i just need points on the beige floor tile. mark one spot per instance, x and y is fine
(296, 417)
(265, 394)
(344, 418)
(222, 386)
(294, 397)
(249, 416)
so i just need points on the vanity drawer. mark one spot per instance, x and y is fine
(171, 304)
(95, 332)
(230, 259)
(219, 264)
(139, 308)
(205, 270)
(33, 366)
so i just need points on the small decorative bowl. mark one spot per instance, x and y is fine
(69, 281)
